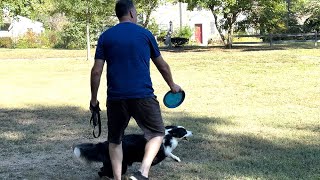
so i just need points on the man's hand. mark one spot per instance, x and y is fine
(93, 102)
(95, 118)
(94, 106)
(175, 88)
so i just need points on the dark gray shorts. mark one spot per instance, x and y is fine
(145, 111)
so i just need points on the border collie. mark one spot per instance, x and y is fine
(133, 150)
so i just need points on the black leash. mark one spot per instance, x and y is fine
(95, 119)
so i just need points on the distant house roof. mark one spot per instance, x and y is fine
(19, 25)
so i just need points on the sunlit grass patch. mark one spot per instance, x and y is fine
(254, 114)
(12, 136)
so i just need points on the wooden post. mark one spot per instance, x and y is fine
(316, 39)
(88, 31)
(270, 39)
(180, 10)
(170, 33)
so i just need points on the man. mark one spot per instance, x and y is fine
(127, 49)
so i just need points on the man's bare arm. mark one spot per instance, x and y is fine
(96, 72)
(165, 71)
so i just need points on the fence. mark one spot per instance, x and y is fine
(275, 38)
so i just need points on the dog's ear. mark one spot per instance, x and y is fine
(173, 133)
(178, 132)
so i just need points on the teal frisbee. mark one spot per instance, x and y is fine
(173, 100)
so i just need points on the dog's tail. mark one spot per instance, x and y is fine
(91, 152)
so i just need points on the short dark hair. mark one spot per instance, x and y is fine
(123, 7)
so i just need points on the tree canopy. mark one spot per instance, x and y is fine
(225, 12)
(92, 16)
(146, 7)
(35, 9)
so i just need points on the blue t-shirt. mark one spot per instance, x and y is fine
(127, 49)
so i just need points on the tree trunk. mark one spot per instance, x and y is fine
(219, 29)
(152, 5)
(231, 20)
(230, 32)
(88, 31)
(229, 43)
(146, 22)
(217, 26)
(88, 41)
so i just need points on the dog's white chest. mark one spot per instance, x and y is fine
(171, 147)
(174, 144)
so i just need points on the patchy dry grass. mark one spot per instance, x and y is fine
(254, 113)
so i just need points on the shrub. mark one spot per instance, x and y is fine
(48, 39)
(153, 27)
(72, 37)
(179, 41)
(29, 40)
(312, 24)
(181, 36)
(184, 32)
(6, 42)
(162, 35)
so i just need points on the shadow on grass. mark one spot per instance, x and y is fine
(237, 47)
(38, 142)
(38, 145)
(211, 154)
(190, 49)
(219, 48)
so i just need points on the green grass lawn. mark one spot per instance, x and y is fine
(254, 113)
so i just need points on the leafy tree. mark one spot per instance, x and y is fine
(16, 7)
(226, 13)
(94, 13)
(72, 36)
(307, 7)
(312, 24)
(34, 9)
(153, 27)
(279, 16)
(311, 9)
(146, 7)
(39, 10)
(229, 10)
(268, 16)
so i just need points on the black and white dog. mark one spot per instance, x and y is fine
(133, 150)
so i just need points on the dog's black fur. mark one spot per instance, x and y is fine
(133, 150)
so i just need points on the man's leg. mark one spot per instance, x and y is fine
(151, 150)
(118, 119)
(147, 114)
(116, 156)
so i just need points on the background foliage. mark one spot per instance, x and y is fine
(184, 32)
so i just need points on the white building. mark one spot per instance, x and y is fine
(18, 26)
(201, 21)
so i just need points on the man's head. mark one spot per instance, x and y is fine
(126, 11)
